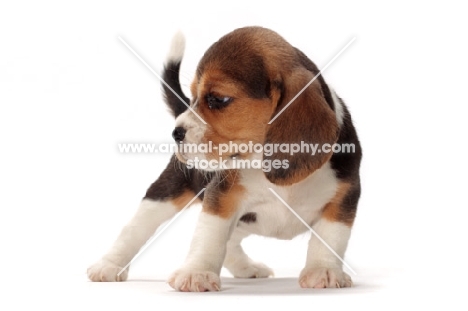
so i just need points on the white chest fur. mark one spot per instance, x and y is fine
(273, 218)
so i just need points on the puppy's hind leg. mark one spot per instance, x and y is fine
(165, 198)
(239, 264)
(324, 268)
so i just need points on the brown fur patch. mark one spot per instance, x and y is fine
(335, 210)
(223, 194)
(182, 200)
(193, 89)
(242, 121)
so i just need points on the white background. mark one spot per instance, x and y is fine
(70, 91)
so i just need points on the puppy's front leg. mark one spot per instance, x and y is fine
(133, 236)
(219, 215)
(164, 198)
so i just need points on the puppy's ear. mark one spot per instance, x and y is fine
(307, 120)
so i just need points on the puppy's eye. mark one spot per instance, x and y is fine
(218, 102)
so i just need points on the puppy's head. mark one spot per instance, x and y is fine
(242, 82)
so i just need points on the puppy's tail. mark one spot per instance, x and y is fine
(173, 94)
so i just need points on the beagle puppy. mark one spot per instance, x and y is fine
(249, 89)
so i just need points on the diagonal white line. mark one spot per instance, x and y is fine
(148, 243)
(311, 81)
(313, 231)
(160, 78)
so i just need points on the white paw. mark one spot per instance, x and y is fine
(195, 281)
(251, 270)
(106, 271)
(316, 277)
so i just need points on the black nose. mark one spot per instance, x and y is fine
(179, 134)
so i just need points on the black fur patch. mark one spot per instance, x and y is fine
(175, 180)
(171, 77)
(346, 165)
(249, 218)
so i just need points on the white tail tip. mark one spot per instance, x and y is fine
(176, 51)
